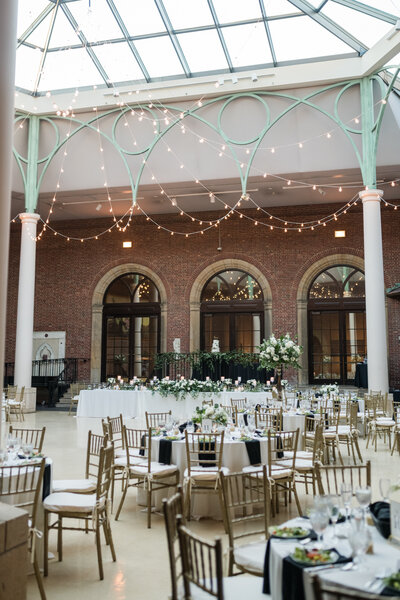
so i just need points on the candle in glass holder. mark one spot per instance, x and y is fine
(222, 378)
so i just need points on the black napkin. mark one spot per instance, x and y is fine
(292, 577)
(245, 419)
(279, 445)
(253, 451)
(208, 446)
(46, 481)
(164, 452)
(266, 584)
(182, 427)
(380, 513)
(142, 444)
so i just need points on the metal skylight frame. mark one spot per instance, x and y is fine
(305, 8)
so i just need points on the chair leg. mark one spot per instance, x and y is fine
(122, 499)
(98, 546)
(297, 499)
(149, 495)
(39, 579)
(59, 540)
(46, 544)
(110, 540)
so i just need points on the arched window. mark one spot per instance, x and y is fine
(337, 330)
(231, 312)
(131, 327)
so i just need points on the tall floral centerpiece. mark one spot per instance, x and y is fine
(278, 352)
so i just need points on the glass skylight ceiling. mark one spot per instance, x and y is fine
(68, 44)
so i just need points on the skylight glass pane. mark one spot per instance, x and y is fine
(27, 67)
(279, 7)
(28, 11)
(363, 27)
(63, 32)
(203, 51)
(95, 21)
(389, 6)
(69, 69)
(140, 22)
(119, 62)
(316, 41)
(38, 35)
(230, 12)
(183, 14)
(247, 44)
(159, 57)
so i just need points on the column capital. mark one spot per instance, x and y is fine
(370, 195)
(29, 217)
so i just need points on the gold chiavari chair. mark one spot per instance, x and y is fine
(204, 453)
(141, 471)
(306, 459)
(246, 500)
(239, 403)
(330, 416)
(202, 571)
(16, 406)
(270, 418)
(232, 412)
(92, 508)
(348, 433)
(330, 477)
(156, 419)
(380, 424)
(88, 484)
(396, 432)
(33, 437)
(74, 390)
(21, 486)
(172, 507)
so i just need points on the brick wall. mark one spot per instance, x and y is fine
(67, 272)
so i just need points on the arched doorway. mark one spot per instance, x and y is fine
(232, 312)
(336, 324)
(131, 327)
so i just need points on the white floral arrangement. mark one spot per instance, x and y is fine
(182, 387)
(279, 351)
(215, 413)
(284, 383)
(111, 381)
(329, 388)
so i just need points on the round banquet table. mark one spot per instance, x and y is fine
(385, 557)
(235, 457)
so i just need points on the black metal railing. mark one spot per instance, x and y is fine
(59, 370)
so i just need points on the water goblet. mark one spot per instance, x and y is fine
(190, 426)
(359, 541)
(363, 495)
(384, 488)
(346, 492)
(319, 520)
(333, 503)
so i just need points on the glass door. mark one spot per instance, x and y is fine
(130, 345)
(337, 343)
(234, 331)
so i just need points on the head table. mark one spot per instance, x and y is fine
(134, 404)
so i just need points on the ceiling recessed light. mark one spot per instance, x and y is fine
(340, 233)
(127, 244)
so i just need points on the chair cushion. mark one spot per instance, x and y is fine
(155, 469)
(235, 588)
(385, 422)
(278, 473)
(68, 502)
(79, 486)
(251, 556)
(300, 464)
(344, 429)
(205, 473)
(304, 454)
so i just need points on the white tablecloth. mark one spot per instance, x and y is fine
(112, 403)
(385, 558)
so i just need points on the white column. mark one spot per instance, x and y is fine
(8, 35)
(26, 296)
(375, 292)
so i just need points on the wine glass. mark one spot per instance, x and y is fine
(334, 510)
(359, 540)
(189, 426)
(384, 488)
(363, 495)
(251, 426)
(319, 520)
(346, 492)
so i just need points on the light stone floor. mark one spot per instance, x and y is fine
(141, 571)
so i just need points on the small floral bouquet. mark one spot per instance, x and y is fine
(275, 352)
(284, 383)
(215, 413)
(329, 388)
